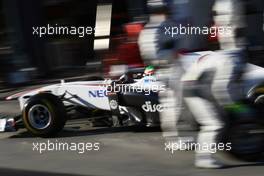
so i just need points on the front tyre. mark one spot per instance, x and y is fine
(44, 115)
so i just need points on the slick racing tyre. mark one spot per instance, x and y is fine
(256, 95)
(44, 115)
(247, 141)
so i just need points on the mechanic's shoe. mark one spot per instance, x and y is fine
(208, 162)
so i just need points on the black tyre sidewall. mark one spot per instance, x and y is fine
(56, 109)
(240, 138)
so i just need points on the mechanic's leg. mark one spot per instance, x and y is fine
(170, 115)
(211, 126)
(226, 85)
(172, 101)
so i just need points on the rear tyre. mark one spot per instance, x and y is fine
(247, 141)
(44, 115)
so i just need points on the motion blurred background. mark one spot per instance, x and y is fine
(25, 58)
(125, 37)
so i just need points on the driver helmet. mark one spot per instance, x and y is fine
(149, 70)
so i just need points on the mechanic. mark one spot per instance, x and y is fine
(168, 49)
(212, 83)
(207, 87)
(220, 68)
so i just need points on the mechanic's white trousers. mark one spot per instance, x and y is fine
(170, 115)
(171, 100)
(211, 124)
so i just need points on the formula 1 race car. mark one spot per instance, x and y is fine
(45, 110)
(131, 99)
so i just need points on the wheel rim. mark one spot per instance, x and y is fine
(260, 99)
(39, 116)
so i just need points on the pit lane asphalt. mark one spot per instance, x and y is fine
(123, 151)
